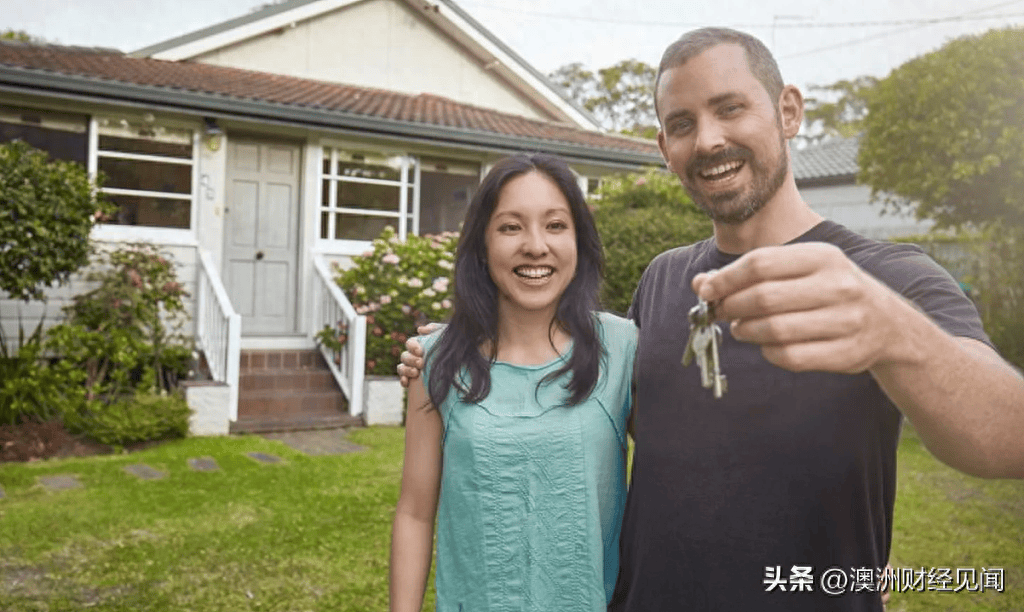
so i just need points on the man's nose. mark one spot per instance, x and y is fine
(710, 136)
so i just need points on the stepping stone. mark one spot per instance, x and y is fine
(60, 482)
(144, 472)
(203, 464)
(264, 457)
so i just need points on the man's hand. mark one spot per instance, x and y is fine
(809, 307)
(412, 356)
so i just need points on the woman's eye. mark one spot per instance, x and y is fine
(508, 227)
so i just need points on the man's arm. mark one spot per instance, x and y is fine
(811, 308)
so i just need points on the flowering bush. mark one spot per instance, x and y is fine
(397, 285)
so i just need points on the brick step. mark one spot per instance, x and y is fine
(281, 402)
(281, 379)
(258, 360)
(294, 423)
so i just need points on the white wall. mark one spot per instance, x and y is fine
(851, 205)
(378, 43)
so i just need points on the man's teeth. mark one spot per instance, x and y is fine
(531, 272)
(721, 169)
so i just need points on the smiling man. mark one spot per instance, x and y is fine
(780, 494)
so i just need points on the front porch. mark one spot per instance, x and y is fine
(261, 389)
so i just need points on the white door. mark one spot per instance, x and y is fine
(261, 242)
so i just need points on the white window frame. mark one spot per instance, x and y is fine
(408, 184)
(135, 233)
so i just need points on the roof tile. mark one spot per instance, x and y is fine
(110, 65)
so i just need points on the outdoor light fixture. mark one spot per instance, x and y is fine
(214, 133)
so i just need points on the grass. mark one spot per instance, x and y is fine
(312, 533)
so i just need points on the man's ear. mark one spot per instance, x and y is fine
(791, 110)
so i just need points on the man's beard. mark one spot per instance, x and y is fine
(735, 207)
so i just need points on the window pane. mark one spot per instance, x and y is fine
(444, 199)
(60, 144)
(146, 175)
(324, 229)
(325, 194)
(151, 212)
(361, 227)
(148, 147)
(361, 195)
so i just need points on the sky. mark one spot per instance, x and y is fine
(815, 43)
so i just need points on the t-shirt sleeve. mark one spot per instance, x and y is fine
(917, 277)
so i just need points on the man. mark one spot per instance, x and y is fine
(779, 495)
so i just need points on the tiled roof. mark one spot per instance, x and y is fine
(335, 101)
(829, 160)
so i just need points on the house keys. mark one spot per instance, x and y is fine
(705, 336)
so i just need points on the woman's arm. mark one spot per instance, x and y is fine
(412, 536)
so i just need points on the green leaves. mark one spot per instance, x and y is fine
(397, 285)
(945, 132)
(47, 210)
(638, 217)
(621, 96)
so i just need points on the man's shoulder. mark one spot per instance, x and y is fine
(682, 255)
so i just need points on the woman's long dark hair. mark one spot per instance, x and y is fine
(474, 320)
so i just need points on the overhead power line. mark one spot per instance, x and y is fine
(879, 23)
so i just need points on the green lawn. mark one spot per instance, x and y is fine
(312, 533)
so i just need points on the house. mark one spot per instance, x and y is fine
(260, 151)
(826, 174)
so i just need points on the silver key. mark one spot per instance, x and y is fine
(705, 337)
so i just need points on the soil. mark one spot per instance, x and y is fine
(32, 441)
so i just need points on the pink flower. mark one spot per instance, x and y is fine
(440, 284)
(415, 283)
(385, 299)
(446, 303)
(640, 182)
(390, 258)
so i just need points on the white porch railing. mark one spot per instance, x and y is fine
(218, 329)
(332, 309)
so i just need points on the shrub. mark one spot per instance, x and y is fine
(49, 207)
(127, 325)
(638, 217)
(142, 417)
(29, 389)
(397, 285)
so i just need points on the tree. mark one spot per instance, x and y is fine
(47, 209)
(943, 132)
(621, 97)
(18, 35)
(638, 216)
(840, 111)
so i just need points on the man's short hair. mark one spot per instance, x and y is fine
(759, 59)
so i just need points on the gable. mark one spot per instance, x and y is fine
(398, 45)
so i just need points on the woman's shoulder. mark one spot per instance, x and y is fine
(614, 324)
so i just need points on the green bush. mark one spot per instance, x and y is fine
(29, 389)
(998, 287)
(397, 285)
(140, 418)
(49, 207)
(638, 217)
(128, 325)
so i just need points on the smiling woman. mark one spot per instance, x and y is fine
(518, 449)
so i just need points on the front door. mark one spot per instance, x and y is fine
(262, 237)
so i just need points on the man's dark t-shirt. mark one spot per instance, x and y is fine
(786, 469)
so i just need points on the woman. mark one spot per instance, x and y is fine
(516, 432)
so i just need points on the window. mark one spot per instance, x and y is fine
(363, 192)
(446, 188)
(148, 172)
(63, 136)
